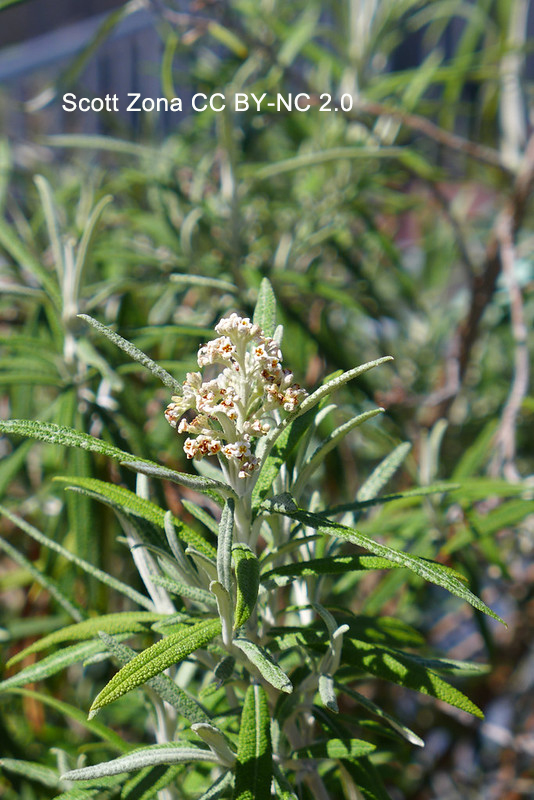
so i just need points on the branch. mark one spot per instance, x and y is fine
(483, 286)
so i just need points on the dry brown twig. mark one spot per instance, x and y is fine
(483, 284)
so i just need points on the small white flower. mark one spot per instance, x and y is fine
(231, 409)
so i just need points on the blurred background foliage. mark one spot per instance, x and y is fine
(401, 227)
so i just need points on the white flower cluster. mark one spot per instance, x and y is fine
(231, 410)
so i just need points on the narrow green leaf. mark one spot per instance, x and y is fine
(156, 659)
(98, 788)
(313, 399)
(59, 434)
(381, 475)
(226, 612)
(136, 354)
(397, 667)
(13, 245)
(123, 499)
(247, 573)
(94, 726)
(146, 783)
(200, 484)
(367, 778)
(72, 608)
(265, 311)
(331, 441)
(184, 704)
(337, 748)
(52, 664)
(123, 622)
(219, 787)
(85, 244)
(99, 574)
(408, 734)
(184, 590)
(32, 770)
(172, 753)
(327, 693)
(254, 766)
(430, 571)
(264, 664)
(330, 566)
(282, 786)
(217, 741)
(421, 491)
(224, 546)
(280, 453)
(52, 223)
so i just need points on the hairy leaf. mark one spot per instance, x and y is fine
(265, 311)
(429, 570)
(224, 546)
(172, 753)
(123, 499)
(123, 622)
(136, 354)
(162, 684)
(264, 664)
(247, 572)
(254, 766)
(156, 659)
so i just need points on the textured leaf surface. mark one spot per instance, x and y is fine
(247, 572)
(254, 767)
(184, 590)
(121, 498)
(162, 684)
(330, 566)
(147, 782)
(338, 748)
(32, 770)
(265, 665)
(69, 437)
(383, 472)
(53, 663)
(135, 354)
(173, 753)
(224, 546)
(200, 484)
(397, 667)
(124, 622)
(265, 311)
(156, 659)
(429, 570)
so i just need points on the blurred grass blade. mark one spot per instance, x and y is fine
(99, 574)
